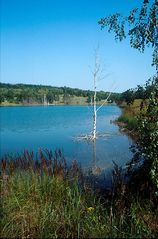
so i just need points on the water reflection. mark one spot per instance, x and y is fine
(54, 128)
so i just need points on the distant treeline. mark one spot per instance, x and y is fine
(140, 92)
(29, 94)
(38, 94)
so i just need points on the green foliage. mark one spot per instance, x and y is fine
(52, 96)
(34, 94)
(142, 117)
(140, 92)
(131, 122)
(44, 198)
(128, 96)
(145, 159)
(1, 98)
(139, 224)
(148, 136)
(151, 86)
(140, 25)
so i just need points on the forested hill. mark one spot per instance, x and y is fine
(39, 94)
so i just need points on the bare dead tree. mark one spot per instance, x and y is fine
(97, 74)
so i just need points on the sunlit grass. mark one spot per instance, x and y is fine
(130, 114)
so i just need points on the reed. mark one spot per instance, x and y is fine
(44, 197)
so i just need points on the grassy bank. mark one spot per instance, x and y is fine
(129, 114)
(43, 197)
(72, 101)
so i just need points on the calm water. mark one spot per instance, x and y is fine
(55, 127)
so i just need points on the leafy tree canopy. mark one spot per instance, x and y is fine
(141, 25)
(34, 94)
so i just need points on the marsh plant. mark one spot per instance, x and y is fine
(43, 197)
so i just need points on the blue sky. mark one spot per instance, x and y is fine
(52, 42)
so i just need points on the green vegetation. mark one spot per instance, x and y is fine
(135, 102)
(142, 117)
(147, 145)
(130, 114)
(11, 94)
(140, 92)
(44, 198)
(140, 111)
(140, 26)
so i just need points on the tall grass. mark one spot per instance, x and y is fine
(43, 197)
(130, 113)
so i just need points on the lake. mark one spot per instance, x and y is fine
(56, 127)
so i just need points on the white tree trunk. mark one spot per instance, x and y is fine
(94, 111)
(96, 72)
(96, 77)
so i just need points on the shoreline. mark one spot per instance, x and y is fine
(14, 105)
(123, 127)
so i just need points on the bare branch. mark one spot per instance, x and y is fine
(104, 76)
(106, 99)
